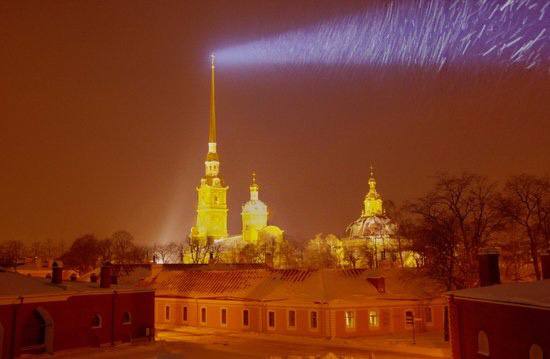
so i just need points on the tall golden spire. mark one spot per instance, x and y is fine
(212, 129)
(212, 152)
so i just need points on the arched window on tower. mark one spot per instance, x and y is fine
(535, 352)
(482, 343)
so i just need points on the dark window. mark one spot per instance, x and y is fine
(409, 318)
(292, 318)
(185, 313)
(271, 319)
(224, 316)
(203, 315)
(126, 318)
(96, 321)
(245, 317)
(313, 320)
(167, 312)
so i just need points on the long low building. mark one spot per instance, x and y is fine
(318, 303)
(46, 315)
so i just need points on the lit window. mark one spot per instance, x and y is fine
(96, 321)
(167, 313)
(126, 318)
(428, 314)
(292, 319)
(535, 352)
(223, 316)
(271, 319)
(184, 314)
(482, 343)
(349, 317)
(313, 320)
(203, 315)
(374, 319)
(245, 317)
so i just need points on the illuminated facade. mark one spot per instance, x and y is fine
(254, 214)
(210, 233)
(374, 233)
(212, 193)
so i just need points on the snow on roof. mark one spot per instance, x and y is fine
(289, 285)
(523, 293)
(17, 285)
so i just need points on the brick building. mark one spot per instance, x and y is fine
(504, 321)
(317, 303)
(40, 315)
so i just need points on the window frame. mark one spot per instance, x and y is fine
(184, 314)
(316, 328)
(377, 312)
(269, 327)
(354, 320)
(222, 310)
(288, 326)
(409, 326)
(431, 310)
(538, 349)
(247, 325)
(100, 318)
(129, 321)
(483, 351)
(205, 321)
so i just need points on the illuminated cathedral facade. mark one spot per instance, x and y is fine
(375, 233)
(211, 225)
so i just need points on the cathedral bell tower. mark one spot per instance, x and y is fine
(212, 193)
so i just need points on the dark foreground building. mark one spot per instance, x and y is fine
(47, 315)
(504, 321)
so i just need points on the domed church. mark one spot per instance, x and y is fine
(374, 232)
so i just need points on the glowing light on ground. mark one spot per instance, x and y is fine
(423, 33)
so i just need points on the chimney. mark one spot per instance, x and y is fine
(105, 275)
(93, 278)
(489, 272)
(545, 261)
(57, 272)
(379, 283)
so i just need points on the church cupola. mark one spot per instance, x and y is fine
(372, 205)
(254, 188)
(254, 213)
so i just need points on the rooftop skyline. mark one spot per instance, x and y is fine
(106, 111)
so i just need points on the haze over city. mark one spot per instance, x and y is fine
(105, 115)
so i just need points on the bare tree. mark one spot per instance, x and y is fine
(454, 221)
(525, 201)
(203, 250)
(122, 247)
(11, 252)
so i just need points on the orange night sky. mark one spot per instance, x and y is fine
(104, 115)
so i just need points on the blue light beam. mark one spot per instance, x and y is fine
(421, 33)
